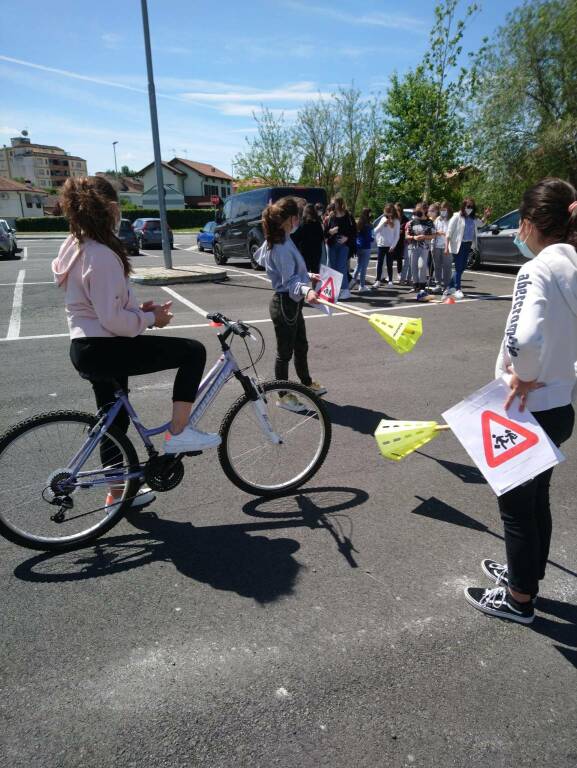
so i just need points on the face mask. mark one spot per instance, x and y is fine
(468, 211)
(523, 247)
(417, 215)
(444, 214)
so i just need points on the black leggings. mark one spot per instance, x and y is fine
(120, 357)
(291, 337)
(526, 512)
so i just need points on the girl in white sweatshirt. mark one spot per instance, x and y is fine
(537, 357)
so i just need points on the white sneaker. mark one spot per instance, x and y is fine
(364, 289)
(376, 284)
(390, 284)
(291, 403)
(449, 292)
(459, 294)
(345, 294)
(143, 498)
(190, 440)
(317, 388)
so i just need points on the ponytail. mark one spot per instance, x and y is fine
(275, 215)
(551, 206)
(88, 203)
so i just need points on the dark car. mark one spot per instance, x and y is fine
(205, 237)
(238, 232)
(128, 237)
(8, 243)
(495, 243)
(148, 233)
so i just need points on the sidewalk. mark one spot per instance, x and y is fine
(41, 235)
(181, 274)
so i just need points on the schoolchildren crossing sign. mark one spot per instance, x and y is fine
(504, 439)
(508, 447)
(330, 284)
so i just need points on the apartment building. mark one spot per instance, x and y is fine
(42, 165)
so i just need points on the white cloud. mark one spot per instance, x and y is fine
(292, 92)
(112, 40)
(385, 19)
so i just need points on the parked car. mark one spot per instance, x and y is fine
(238, 232)
(148, 233)
(8, 243)
(205, 238)
(128, 236)
(495, 243)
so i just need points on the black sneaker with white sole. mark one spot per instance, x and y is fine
(500, 574)
(498, 602)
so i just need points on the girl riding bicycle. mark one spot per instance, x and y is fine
(292, 285)
(106, 323)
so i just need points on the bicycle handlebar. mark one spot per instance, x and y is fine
(238, 328)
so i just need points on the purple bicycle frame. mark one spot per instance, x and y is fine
(209, 388)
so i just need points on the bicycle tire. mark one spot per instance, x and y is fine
(301, 479)
(31, 541)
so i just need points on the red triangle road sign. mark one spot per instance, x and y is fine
(327, 290)
(501, 446)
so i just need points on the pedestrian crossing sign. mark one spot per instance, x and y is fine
(327, 290)
(504, 439)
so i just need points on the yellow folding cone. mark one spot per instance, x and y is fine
(396, 439)
(402, 333)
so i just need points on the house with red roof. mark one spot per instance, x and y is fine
(196, 182)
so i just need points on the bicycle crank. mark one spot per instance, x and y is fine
(163, 473)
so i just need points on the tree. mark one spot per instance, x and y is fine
(316, 137)
(407, 160)
(524, 120)
(359, 121)
(439, 62)
(271, 155)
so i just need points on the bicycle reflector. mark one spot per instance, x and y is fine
(214, 324)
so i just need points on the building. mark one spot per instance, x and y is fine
(20, 200)
(196, 182)
(43, 165)
(128, 188)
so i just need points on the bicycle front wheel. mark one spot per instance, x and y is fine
(278, 460)
(35, 459)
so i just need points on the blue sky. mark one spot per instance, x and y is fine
(74, 73)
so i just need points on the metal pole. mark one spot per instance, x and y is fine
(114, 143)
(156, 141)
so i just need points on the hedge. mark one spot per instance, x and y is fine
(178, 219)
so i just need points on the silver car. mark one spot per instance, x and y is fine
(8, 244)
(495, 243)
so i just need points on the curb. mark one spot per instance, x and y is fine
(180, 274)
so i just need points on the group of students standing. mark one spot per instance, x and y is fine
(430, 248)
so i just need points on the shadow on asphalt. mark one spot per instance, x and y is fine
(363, 420)
(227, 557)
(563, 631)
(464, 472)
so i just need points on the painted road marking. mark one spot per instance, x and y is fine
(15, 317)
(25, 253)
(186, 302)
(260, 321)
(41, 282)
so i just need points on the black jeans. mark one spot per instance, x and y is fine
(382, 254)
(526, 512)
(291, 337)
(120, 357)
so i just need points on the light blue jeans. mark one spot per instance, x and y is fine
(338, 260)
(363, 258)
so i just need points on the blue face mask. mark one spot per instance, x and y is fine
(524, 248)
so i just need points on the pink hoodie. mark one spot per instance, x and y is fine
(98, 298)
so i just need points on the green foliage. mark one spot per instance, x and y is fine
(178, 219)
(270, 155)
(317, 141)
(524, 123)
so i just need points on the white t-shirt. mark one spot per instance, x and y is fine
(441, 225)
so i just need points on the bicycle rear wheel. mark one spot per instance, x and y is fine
(257, 465)
(35, 458)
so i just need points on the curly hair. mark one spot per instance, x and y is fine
(275, 215)
(88, 203)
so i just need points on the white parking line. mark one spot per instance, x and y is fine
(15, 317)
(40, 282)
(25, 254)
(261, 321)
(186, 302)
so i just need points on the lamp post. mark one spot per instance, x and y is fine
(156, 141)
(114, 143)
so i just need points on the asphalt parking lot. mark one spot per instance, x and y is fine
(323, 629)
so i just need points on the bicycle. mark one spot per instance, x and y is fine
(53, 479)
